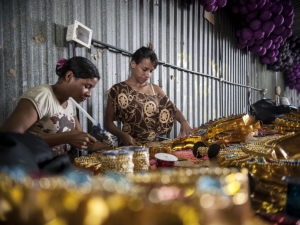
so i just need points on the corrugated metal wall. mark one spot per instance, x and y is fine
(205, 75)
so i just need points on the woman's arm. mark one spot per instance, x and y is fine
(22, 117)
(185, 129)
(112, 128)
(25, 115)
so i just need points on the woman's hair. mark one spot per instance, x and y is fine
(80, 66)
(145, 53)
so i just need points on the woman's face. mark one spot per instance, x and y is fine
(142, 71)
(81, 89)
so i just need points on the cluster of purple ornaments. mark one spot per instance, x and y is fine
(292, 77)
(264, 25)
(213, 5)
(289, 55)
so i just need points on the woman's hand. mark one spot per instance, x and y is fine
(127, 139)
(185, 129)
(80, 139)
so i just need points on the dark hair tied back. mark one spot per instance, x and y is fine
(145, 53)
(80, 66)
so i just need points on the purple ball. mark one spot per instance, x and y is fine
(243, 10)
(270, 53)
(277, 45)
(259, 41)
(255, 25)
(242, 41)
(251, 15)
(278, 30)
(262, 51)
(265, 60)
(256, 48)
(267, 43)
(267, 6)
(276, 8)
(272, 59)
(246, 33)
(251, 6)
(287, 32)
(238, 33)
(259, 34)
(278, 20)
(273, 46)
(287, 10)
(210, 8)
(274, 37)
(288, 21)
(265, 15)
(280, 40)
(260, 3)
(250, 42)
(268, 27)
(221, 3)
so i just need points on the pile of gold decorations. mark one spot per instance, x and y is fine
(234, 128)
(268, 159)
(169, 146)
(159, 147)
(289, 123)
(185, 143)
(90, 162)
(218, 195)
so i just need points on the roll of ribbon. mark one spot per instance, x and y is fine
(165, 160)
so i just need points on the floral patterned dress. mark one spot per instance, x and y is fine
(143, 115)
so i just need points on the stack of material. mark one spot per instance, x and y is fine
(268, 159)
(235, 128)
(289, 123)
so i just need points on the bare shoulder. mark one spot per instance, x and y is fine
(158, 90)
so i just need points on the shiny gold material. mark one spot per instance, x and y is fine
(287, 125)
(293, 116)
(278, 147)
(230, 129)
(106, 200)
(91, 163)
(185, 143)
(268, 159)
(158, 147)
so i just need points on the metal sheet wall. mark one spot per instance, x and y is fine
(213, 78)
